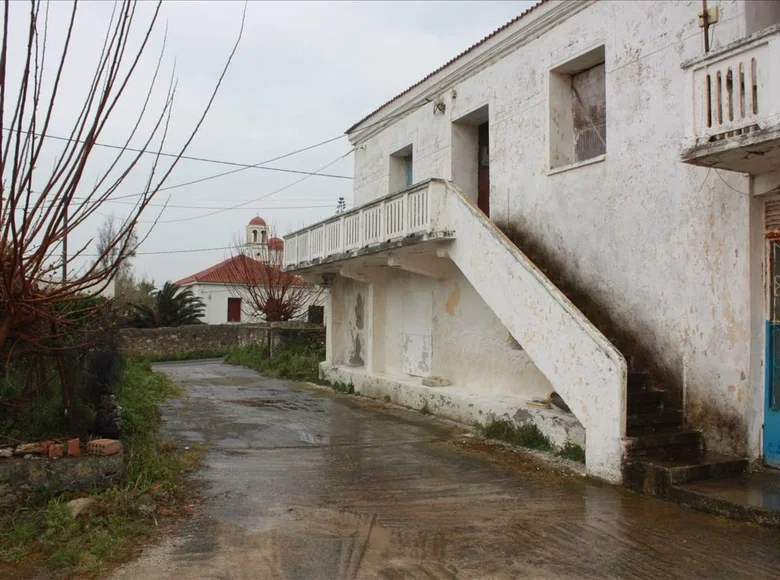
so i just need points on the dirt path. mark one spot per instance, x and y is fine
(302, 483)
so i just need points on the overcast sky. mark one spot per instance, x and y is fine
(303, 73)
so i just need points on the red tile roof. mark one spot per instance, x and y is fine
(236, 270)
(276, 244)
(257, 221)
(448, 63)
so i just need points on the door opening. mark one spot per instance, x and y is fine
(483, 170)
(234, 310)
(772, 386)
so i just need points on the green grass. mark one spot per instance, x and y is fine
(572, 452)
(43, 533)
(527, 435)
(296, 361)
(531, 437)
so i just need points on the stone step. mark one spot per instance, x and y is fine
(669, 442)
(638, 381)
(752, 497)
(656, 473)
(658, 418)
(645, 401)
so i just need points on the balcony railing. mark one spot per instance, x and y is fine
(735, 92)
(394, 217)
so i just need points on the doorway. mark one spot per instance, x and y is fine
(483, 168)
(234, 310)
(772, 384)
(471, 156)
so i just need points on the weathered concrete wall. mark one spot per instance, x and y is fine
(159, 343)
(663, 245)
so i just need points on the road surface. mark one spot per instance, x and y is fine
(302, 483)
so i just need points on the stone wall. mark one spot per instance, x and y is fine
(212, 339)
(19, 477)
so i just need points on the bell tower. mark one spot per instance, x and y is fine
(257, 239)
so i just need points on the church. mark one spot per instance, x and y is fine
(223, 286)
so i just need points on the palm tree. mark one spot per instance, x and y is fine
(172, 306)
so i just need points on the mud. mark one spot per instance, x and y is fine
(318, 485)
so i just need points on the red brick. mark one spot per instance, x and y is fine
(104, 447)
(74, 447)
(55, 450)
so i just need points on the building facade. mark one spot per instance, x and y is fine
(581, 203)
(224, 286)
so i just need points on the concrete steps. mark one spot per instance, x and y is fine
(753, 497)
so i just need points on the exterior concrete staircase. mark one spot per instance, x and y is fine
(662, 453)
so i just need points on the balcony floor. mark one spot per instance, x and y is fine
(754, 153)
(375, 255)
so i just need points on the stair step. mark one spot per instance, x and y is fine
(706, 465)
(646, 396)
(657, 473)
(670, 442)
(638, 381)
(645, 401)
(658, 418)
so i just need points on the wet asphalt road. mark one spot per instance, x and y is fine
(301, 483)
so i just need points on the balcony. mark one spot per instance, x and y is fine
(734, 121)
(410, 217)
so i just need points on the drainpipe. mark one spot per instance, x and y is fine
(706, 22)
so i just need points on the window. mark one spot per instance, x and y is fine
(263, 235)
(578, 110)
(254, 235)
(401, 169)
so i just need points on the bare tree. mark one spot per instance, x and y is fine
(109, 252)
(267, 289)
(40, 206)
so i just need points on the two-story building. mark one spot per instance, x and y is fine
(585, 202)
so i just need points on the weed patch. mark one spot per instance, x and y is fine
(43, 533)
(527, 435)
(296, 361)
(572, 452)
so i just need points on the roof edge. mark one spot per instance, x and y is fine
(450, 62)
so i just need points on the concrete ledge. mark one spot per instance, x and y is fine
(458, 404)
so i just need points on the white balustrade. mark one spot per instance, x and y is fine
(352, 231)
(390, 218)
(371, 222)
(332, 237)
(732, 90)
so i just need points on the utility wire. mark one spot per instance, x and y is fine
(246, 203)
(260, 165)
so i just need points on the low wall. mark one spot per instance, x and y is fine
(213, 339)
(22, 476)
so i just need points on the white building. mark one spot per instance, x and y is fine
(222, 287)
(637, 173)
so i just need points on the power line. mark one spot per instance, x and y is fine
(170, 252)
(258, 208)
(192, 157)
(243, 205)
